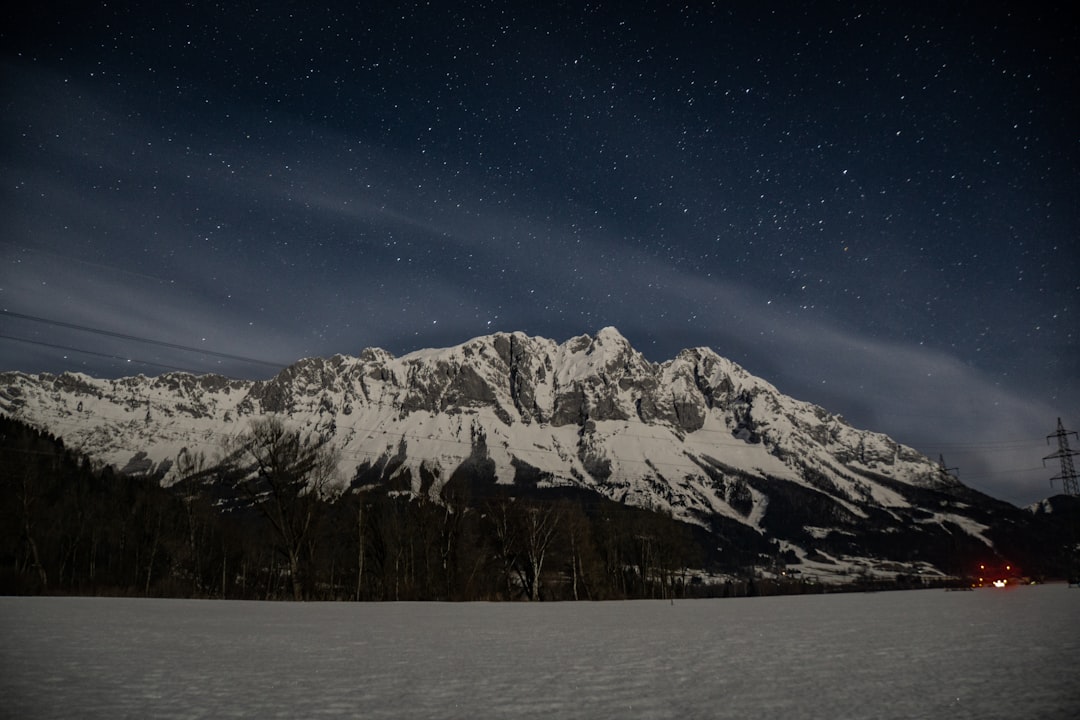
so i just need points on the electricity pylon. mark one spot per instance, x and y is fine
(1067, 476)
(953, 472)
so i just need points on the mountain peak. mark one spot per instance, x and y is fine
(611, 334)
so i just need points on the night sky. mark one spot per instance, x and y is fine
(875, 209)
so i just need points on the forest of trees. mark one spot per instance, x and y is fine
(267, 520)
(285, 531)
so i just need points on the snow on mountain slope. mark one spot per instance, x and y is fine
(696, 436)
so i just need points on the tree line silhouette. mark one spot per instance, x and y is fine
(267, 520)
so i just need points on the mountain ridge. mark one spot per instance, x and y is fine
(697, 436)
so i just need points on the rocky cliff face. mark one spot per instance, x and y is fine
(696, 436)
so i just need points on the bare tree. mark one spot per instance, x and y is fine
(289, 475)
(579, 550)
(538, 523)
(27, 498)
(523, 532)
(191, 468)
(503, 528)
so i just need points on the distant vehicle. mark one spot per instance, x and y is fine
(999, 575)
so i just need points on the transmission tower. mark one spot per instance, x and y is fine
(953, 472)
(1067, 477)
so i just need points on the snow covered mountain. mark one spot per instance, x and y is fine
(697, 436)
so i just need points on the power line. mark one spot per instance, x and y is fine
(140, 339)
(1016, 444)
(1011, 471)
(988, 448)
(68, 348)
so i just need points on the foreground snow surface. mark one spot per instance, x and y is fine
(929, 653)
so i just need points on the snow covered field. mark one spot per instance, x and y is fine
(928, 653)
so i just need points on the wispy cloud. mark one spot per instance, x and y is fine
(920, 396)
